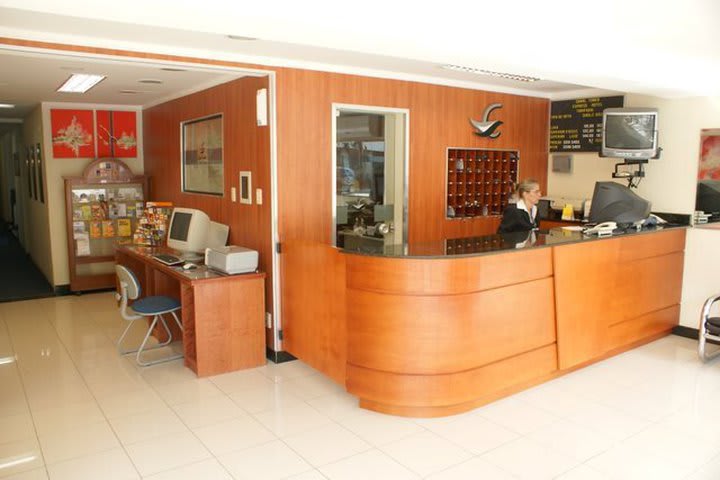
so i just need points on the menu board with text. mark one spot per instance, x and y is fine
(576, 125)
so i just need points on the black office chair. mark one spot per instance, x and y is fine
(155, 306)
(709, 330)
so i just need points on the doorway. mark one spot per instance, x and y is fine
(370, 167)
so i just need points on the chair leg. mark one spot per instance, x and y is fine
(135, 350)
(703, 338)
(703, 334)
(147, 336)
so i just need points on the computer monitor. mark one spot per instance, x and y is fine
(612, 202)
(707, 198)
(188, 230)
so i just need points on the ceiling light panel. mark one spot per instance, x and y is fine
(80, 83)
(479, 71)
(7, 105)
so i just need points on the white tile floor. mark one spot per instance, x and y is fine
(72, 408)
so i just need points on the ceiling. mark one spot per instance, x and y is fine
(27, 79)
(658, 47)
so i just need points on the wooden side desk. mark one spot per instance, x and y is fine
(222, 315)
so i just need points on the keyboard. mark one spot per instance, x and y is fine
(168, 259)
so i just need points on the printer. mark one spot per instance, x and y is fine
(231, 259)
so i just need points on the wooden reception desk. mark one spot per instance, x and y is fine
(442, 328)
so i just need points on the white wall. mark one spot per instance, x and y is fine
(55, 170)
(36, 238)
(670, 181)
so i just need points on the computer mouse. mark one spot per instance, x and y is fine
(189, 266)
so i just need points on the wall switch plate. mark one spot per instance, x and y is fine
(258, 196)
(233, 194)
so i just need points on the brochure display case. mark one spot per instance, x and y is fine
(102, 207)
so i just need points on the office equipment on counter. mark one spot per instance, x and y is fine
(604, 229)
(191, 231)
(167, 258)
(154, 306)
(231, 259)
(612, 202)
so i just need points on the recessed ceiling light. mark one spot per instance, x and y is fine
(7, 105)
(80, 83)
(479, 71)
(173, 69)
(129, 92)
(240, 37)
(153, 81)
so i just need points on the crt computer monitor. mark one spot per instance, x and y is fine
(188, 230)
(707, 198)
(612, 202)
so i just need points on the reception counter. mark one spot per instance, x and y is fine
(439, 328)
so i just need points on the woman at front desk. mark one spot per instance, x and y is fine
(522, 215)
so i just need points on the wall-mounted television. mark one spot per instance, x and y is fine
(630, 133)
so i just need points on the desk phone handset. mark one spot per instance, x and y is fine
(601, 229)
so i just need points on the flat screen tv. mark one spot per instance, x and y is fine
(612, 202)
(630, 133)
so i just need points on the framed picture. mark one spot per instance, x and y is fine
(28, 166)
(202, 155)
(246, 188)
(116, 133)
(32, 173)
(72, 133)
(709, 168)
(39, 176)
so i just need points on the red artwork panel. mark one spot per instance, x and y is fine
(117, 134)
(72, 133)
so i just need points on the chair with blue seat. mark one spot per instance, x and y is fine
(142, 308)
(709, 330)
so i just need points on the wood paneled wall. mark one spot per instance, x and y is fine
(246, 147)
(438, 120)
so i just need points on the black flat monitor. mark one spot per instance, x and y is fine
(707, 198)
(612, 202)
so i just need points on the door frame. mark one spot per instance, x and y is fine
(335, 108)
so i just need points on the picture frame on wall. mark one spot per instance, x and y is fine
(202, 155)
(72, 133)
(39, 176)
(32, 173)
(709, 165)
(28, 167)
(116, 134)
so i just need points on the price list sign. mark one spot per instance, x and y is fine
(576, 125)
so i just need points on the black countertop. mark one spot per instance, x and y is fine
(491, 244)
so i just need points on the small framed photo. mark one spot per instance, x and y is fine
(246, 188)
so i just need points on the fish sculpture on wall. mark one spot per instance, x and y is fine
(488, 128)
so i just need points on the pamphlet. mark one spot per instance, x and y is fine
(95, 229)
(108, 228)
(82, 244)
(124, 228)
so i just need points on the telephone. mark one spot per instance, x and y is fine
(601, 229)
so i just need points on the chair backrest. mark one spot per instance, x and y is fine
(129, 284)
